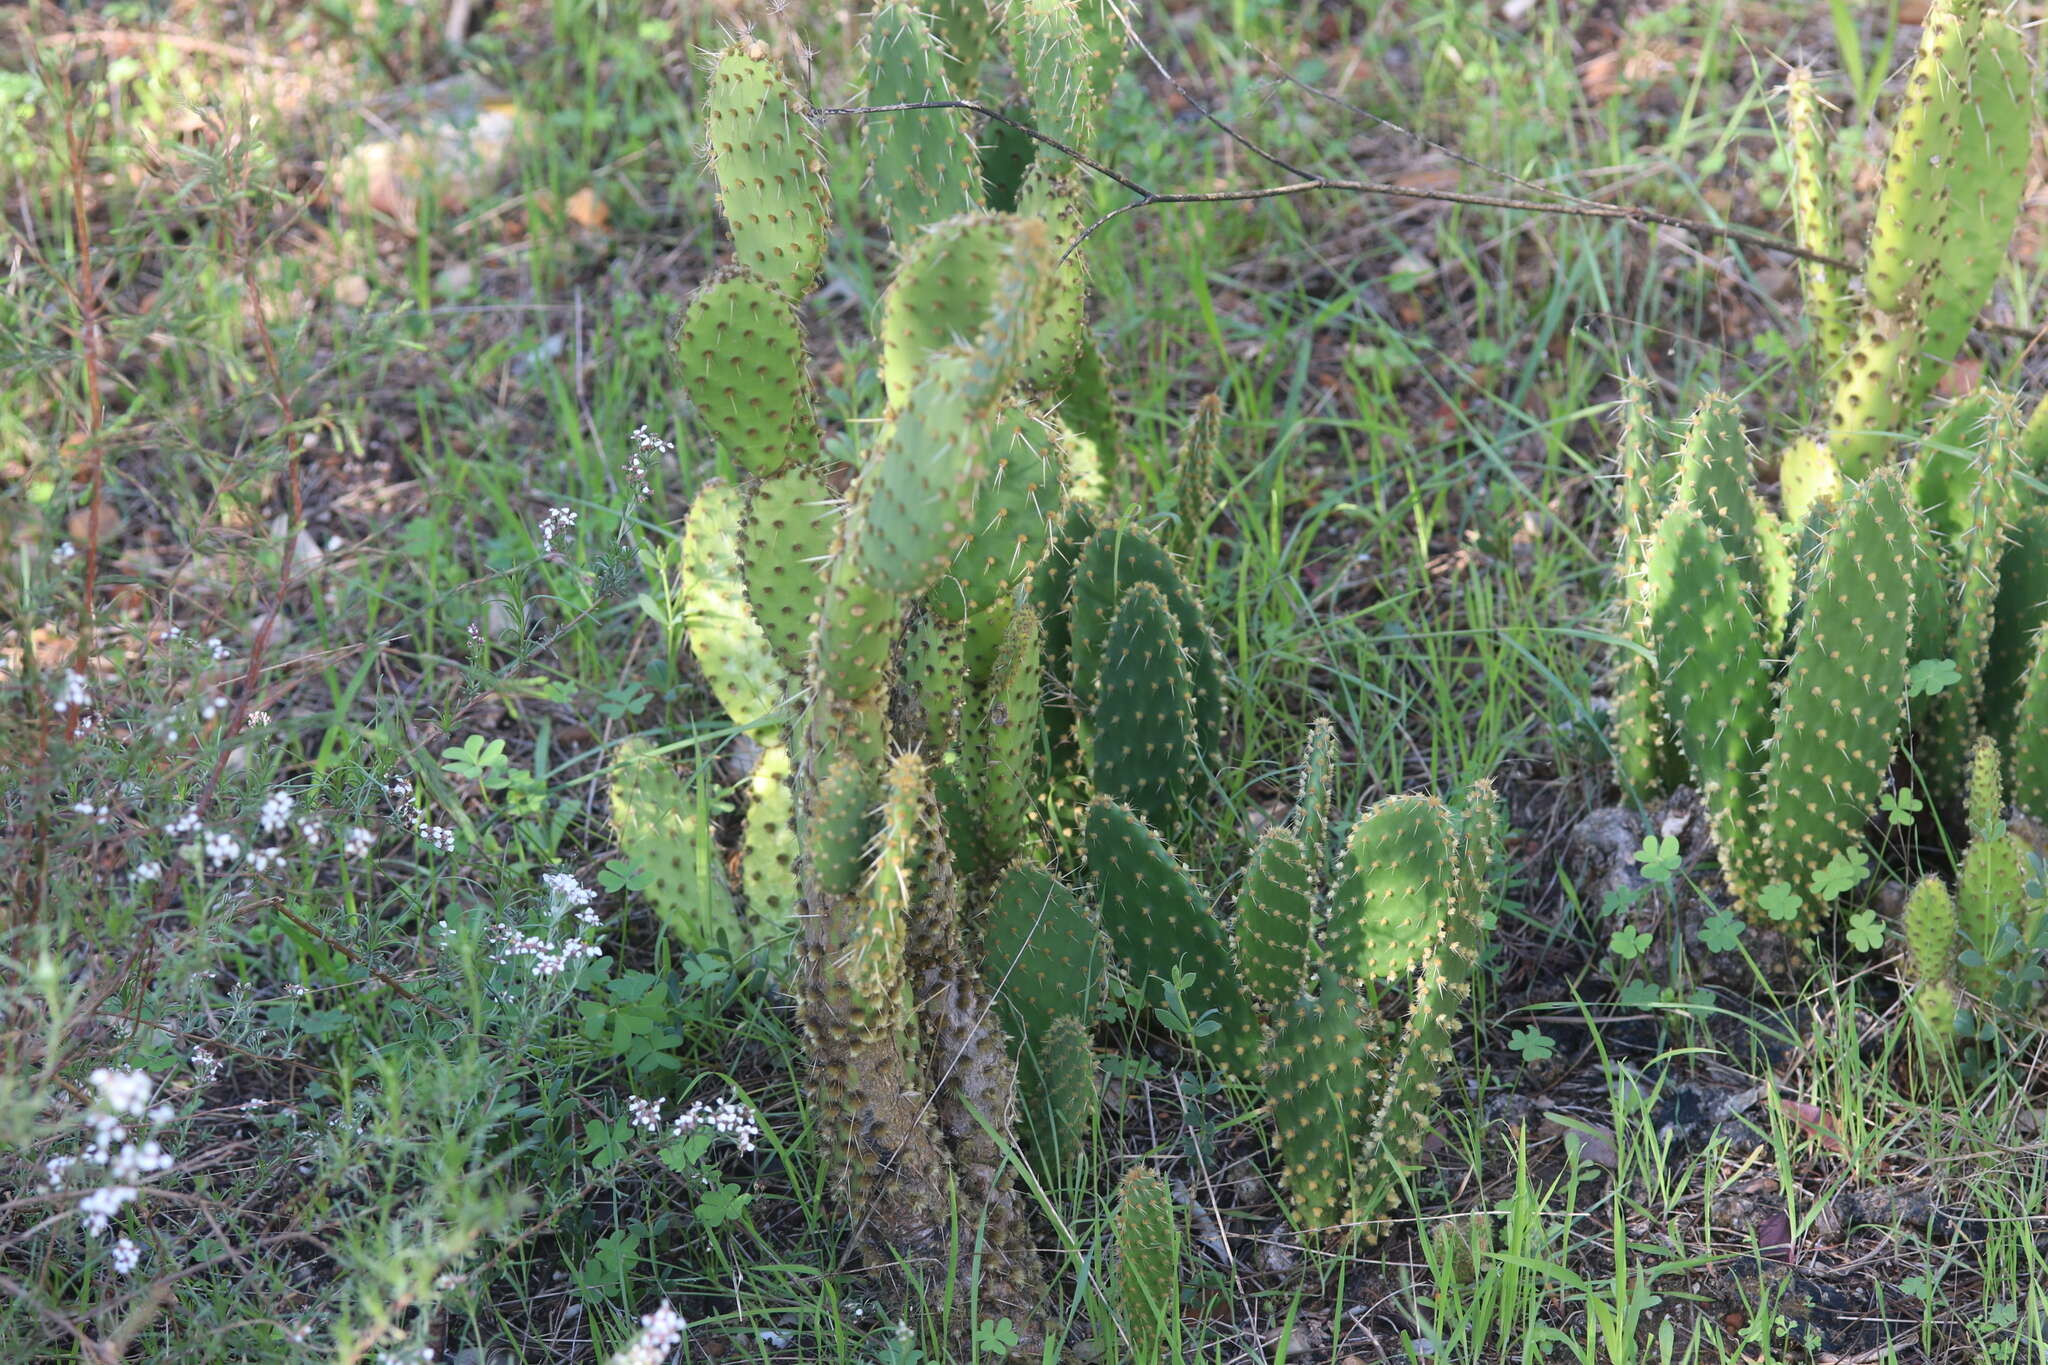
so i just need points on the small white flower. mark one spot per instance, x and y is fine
(55, 1168)
(212, 707)
(74, 695)
(221, 848)
(556, 523)
(358, 842)
(98, 1208)
(256, 718)
(123, 1092)
(265, 859)
(126, 1256)
(63, 553)
(218, 650)
(207, 1064)
(148, 870)
(276, 813)
(660, 1332)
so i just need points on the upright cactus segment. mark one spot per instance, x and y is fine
(1950, 197)
(1968, 944)
(1069, 1095)
(665, 832)
(760, 410)
(1195, 463)
(1147, 1237)
(1321, 1067)
(1844, 691)
(784, 538)
(1394, 882)
(1644, 756)
(1144, 743)
(1042, 955)
(1788, 786)
(1816, 224)
(1159, 922)
(1065, 53)
(771, 182)
(1275, 930)
(921, 163)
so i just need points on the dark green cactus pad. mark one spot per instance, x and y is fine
(1147, 1234)
(1158, 921)
(839, 823)
(739, 352)
(1142, 742)
(1714, 476)
(2028, 735)
(2021, 611)
(1195, 462)
(664, 829)
(1275, 929)
(1006, 153)
(1042, 953)
(1012, 767)
(1710, 655)
(1319, 1067)
(1010, 523)
(1947, 466)
(1396, 879)
(921, 163)
(1052, 585)
(731, 649)
(933, 670)
(940, 295)
(784, 540)
(1114, 559)
(1315, 795)
(1068, 1092)
(1845, 690)
(1816, 225)
(771, 172)
(871, 962)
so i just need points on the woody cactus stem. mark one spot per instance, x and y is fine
(892, 612)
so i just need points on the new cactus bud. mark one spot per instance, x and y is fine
(1195, 462)
(1070, 1093)
(1108, 565)
(1314, 795)
(1991, 884)
(1147, 1235)
(768, 852)
(1816, 226)
(1930, 928)
(771, 172)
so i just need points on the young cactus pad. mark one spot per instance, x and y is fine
(770, 170)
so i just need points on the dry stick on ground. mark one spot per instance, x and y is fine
(1311, 183)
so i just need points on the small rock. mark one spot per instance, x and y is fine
(587, 211)
(352, 291)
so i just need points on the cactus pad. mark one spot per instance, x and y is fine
(1397, 873)
(1147, 1235)
(771, 172)
(740, 355)
(1319, 1069)
(1275, 929)
(784, 540)
(731, 649)
(1143, 750)
(921, 162)
(664, 829)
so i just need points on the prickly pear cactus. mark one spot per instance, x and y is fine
(1147, 1238)
(664, 829)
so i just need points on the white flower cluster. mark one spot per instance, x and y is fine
(220, 652)
(74, 695)
(212, 707)
(399, 789)
(63, 553)
(358, 842)
(100, 814)
(660, 1333)
(645, 443)
(550, 958)
(729, 1119)
(121, 1095)
(566, 893)
(255, 719)
(556, 523)
(276, 813)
